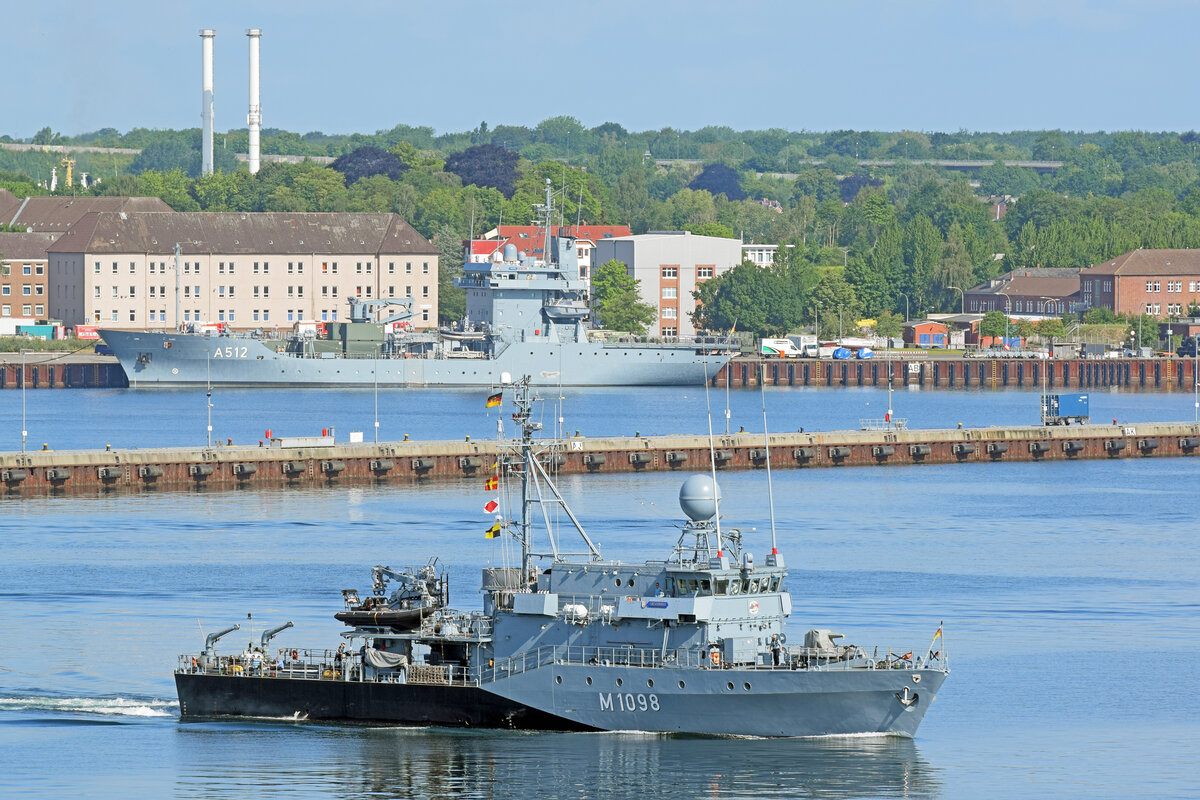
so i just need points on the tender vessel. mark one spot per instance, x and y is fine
(524, 316)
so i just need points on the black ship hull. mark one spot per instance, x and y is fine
(204, 695)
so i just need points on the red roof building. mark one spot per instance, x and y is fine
(1162, 283)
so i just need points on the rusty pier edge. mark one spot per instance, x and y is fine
(48, 472)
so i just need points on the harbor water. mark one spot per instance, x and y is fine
(1069, 591)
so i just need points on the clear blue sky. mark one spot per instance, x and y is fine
(365, 65)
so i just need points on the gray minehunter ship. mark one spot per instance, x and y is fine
(696, 643)
(525, 316)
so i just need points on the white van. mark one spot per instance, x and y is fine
(779, 348)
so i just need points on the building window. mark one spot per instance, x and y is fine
(221, 290)
(670, 272)
(424, 291)
(96, 270)
(266, 315)
(289, 268)
(255, 314)
(334, 293)
(290, 316)
(95, 291)
(114, 273)
(230, 267)
(26, 290)
(368, 291)
(291, 291)
(425, 315)
(266, 267)
(6, 310)
(391, 291)
(132, 268)
(255, 269)
(8, 289)
(221, 315)
(115, 318)
(324, 314)
(408, 268)
(358, 267)
(704, 273)
(231, 288)
(116, 292)
(300, 291)
(670, 312)
(408, 291)
(132, 316)
(391, 267)
(324, 267)
(187, 316)
(26, 270)
(425, 268)
(1157, 286)
(670, 292)
(256, 291)
(669, 331)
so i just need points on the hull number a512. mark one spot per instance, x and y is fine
(230, 352)
(628, 701)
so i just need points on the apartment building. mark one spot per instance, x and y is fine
(246, 270)
(1161, 283)
(669, 266)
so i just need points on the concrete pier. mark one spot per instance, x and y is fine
(44, 472)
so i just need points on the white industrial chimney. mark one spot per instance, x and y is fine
(206, 107)
(254, 118)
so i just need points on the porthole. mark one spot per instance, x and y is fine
(618, 582)
(620, 682)
(650, 683)
(746, 686)
(588, 681)
(729, 686)
(631, 581)
(682, 685)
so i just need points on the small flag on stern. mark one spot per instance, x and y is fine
(493, 400)
(491, 506)
(492, 532)
(491, 483)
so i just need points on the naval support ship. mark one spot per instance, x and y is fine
(524, 316)
(695, 644)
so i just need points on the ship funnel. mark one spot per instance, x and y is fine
(698, 497)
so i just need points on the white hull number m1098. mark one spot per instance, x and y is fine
(230, 352)
(628, 701)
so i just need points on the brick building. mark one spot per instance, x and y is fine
(1028, 292)
(247, 270)
(1161, 283)
(23, 274)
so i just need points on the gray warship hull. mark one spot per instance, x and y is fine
(574, 697)
(177, 360)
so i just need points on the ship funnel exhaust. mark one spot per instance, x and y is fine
(254, 118)
(206, 102)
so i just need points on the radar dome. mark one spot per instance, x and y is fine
(698, 497)
(510, 252)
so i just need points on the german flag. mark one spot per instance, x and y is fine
(491, 483)
(492, 532)
(494, 400)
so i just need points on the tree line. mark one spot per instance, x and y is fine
(854, 240)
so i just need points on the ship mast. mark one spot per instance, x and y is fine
(534, 479)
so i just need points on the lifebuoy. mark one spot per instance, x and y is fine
(193, 662)
(295, 655)
(715, 658)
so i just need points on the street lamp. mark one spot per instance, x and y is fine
(845, 255)
(962, 296)
(24, 431)
(902, 294)
(839, 323)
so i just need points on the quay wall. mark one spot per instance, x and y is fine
(1058, 375)
(42, 472)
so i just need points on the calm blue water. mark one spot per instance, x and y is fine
(1070, 594)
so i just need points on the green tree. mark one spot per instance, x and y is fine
(994, 324)
(1051, 329)
(888, 325)
(615, 299)
(452, 300)
(714, 229)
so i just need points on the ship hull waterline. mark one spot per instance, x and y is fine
(819, 703)
(163, 360)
